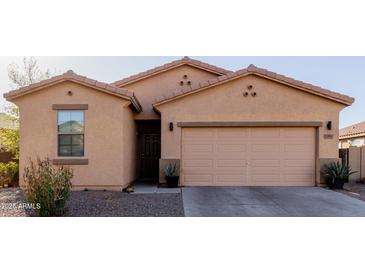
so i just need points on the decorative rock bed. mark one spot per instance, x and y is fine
(101, 204)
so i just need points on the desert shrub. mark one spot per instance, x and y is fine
(49, 186)
(337, 174)
(8, 173)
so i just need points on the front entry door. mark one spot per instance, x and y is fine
(149, 156)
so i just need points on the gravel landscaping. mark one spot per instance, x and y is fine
(119, 204)
(355, 190)
(104, 204)
(12, 203)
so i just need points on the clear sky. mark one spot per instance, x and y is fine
(341, 74)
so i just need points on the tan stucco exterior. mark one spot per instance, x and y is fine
(162, 84)
(129, 146)
(274, 102)
(109, 142)
(111, 146)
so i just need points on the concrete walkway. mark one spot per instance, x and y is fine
(269, 202)
(150, 188)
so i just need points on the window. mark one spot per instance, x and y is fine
(70, 133)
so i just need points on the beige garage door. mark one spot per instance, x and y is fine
(248, 157)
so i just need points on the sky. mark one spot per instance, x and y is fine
(341, 74)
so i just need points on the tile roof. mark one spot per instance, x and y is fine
(356, 130)
(335, 96)
(71, 76)
(184, 61)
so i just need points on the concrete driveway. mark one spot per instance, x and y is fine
(269, 202)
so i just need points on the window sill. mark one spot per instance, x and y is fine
(70, 161)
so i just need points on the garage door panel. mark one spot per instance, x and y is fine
(199, 171)
(298, 134)
(230, 170)
(238, 142)
(231, 163)
(264, 133)
(198, 179)
(198, 163)
(299, 172)
(298, 148)
(265, 162)
(256, 156)
(304, 155)
(248, 156)
(235, 148)
(230, 156)
(230, 180)
(198, 133)
(264, 170)
(197, 156)
(196, 148)
(196, 142)
(265, 148)
(231, 133)
(298, 163)
(265, 179)
(298, 179)
(300, 141)
(214, 170)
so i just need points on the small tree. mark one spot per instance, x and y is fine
(27, 74)
(19, 76)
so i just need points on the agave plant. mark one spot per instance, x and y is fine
(171, 170)
(337, 174)
(172, 176)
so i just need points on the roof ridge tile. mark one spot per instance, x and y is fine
(184, 61)
(70, 75)
(252, 69)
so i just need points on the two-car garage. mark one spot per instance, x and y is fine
(248, 156)
(251, 128)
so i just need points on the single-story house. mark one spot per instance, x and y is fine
(353, 136)
(251, 127)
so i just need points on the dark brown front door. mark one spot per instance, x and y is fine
(149, 150)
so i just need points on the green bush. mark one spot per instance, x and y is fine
(49, 186)
(8, 173)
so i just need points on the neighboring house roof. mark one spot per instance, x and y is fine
(184, 61)
(357, 130)
(6, 122)
(82, 80)
(197, 87)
